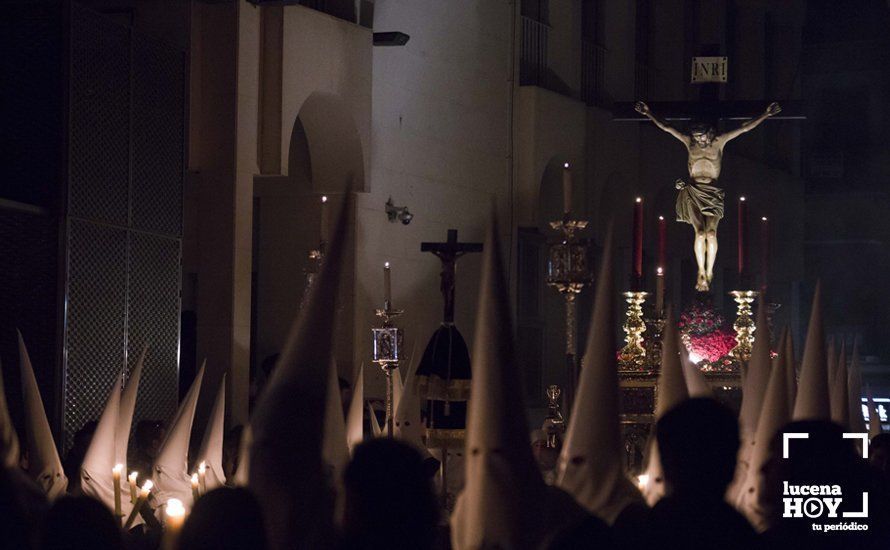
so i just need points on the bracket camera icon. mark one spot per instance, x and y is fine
(788, 436)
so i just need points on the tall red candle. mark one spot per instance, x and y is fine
(638, 243)
(764, 252)
(662, 243)
(743, 225)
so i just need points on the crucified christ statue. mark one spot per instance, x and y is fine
(700, 201)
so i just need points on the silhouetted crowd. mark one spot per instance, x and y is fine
(389, 499)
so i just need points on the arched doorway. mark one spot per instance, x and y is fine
(325, 159)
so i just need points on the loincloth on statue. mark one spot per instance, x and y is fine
(696, 200)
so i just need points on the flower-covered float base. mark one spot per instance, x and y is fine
(707, 336)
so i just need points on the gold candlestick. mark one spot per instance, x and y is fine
(744, 324)
(633, 353)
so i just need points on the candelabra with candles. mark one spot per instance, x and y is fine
(387, 344)
(633, 354)
(568, 272)
(744, 324)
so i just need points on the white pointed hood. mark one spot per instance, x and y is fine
(9, 440)
(696, 383)
(242, 472)
(757, 378)
(591, 462)
(286, 472)
(406, 420)
(127, 407)
(44, 465)
(671, 382)
(170, 470)
(840, 392)
(671, 391)
(753, 391)
(812, 401)
(335, 452)
(211, 451)
(857, 421)
(503, 495)
(775, 413)
(95, 471)
(355, 432)
(376, 430)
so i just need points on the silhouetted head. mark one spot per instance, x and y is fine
(148, 436)
(389, 497)
(698, 441)
(879, 455)
(75, 523)
(224, 519)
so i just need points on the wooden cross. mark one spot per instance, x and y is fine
(708, 108)
(448, 252)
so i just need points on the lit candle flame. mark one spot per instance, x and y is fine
(639, 199)
(118, 468)
(566, 165)
(763, 218)
(642, 481)
(175, 508)
(659, 270)
(195, 479)
(661, 218)
(324, 198)
(742, 199)
(146, 487)
(386, 265)
(202, 467)
(133, 475)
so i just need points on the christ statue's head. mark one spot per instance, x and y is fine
(702, 133)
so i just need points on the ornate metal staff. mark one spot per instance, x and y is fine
(387, 344)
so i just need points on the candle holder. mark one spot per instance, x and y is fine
(568, 272)
(633, 354)
(744, 324)
(387, 350)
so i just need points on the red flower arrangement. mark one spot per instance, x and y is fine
(704, 333)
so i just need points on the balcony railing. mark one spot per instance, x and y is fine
(533, 53)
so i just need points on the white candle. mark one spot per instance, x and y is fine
(143, 496)
(175, 517)
(202, 477)
(116, 479)
(133, 489)
(195, 492)
(566, 188)
(387, 285)
(324, 218)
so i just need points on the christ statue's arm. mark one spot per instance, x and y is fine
(749, 125)
(643, 109)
